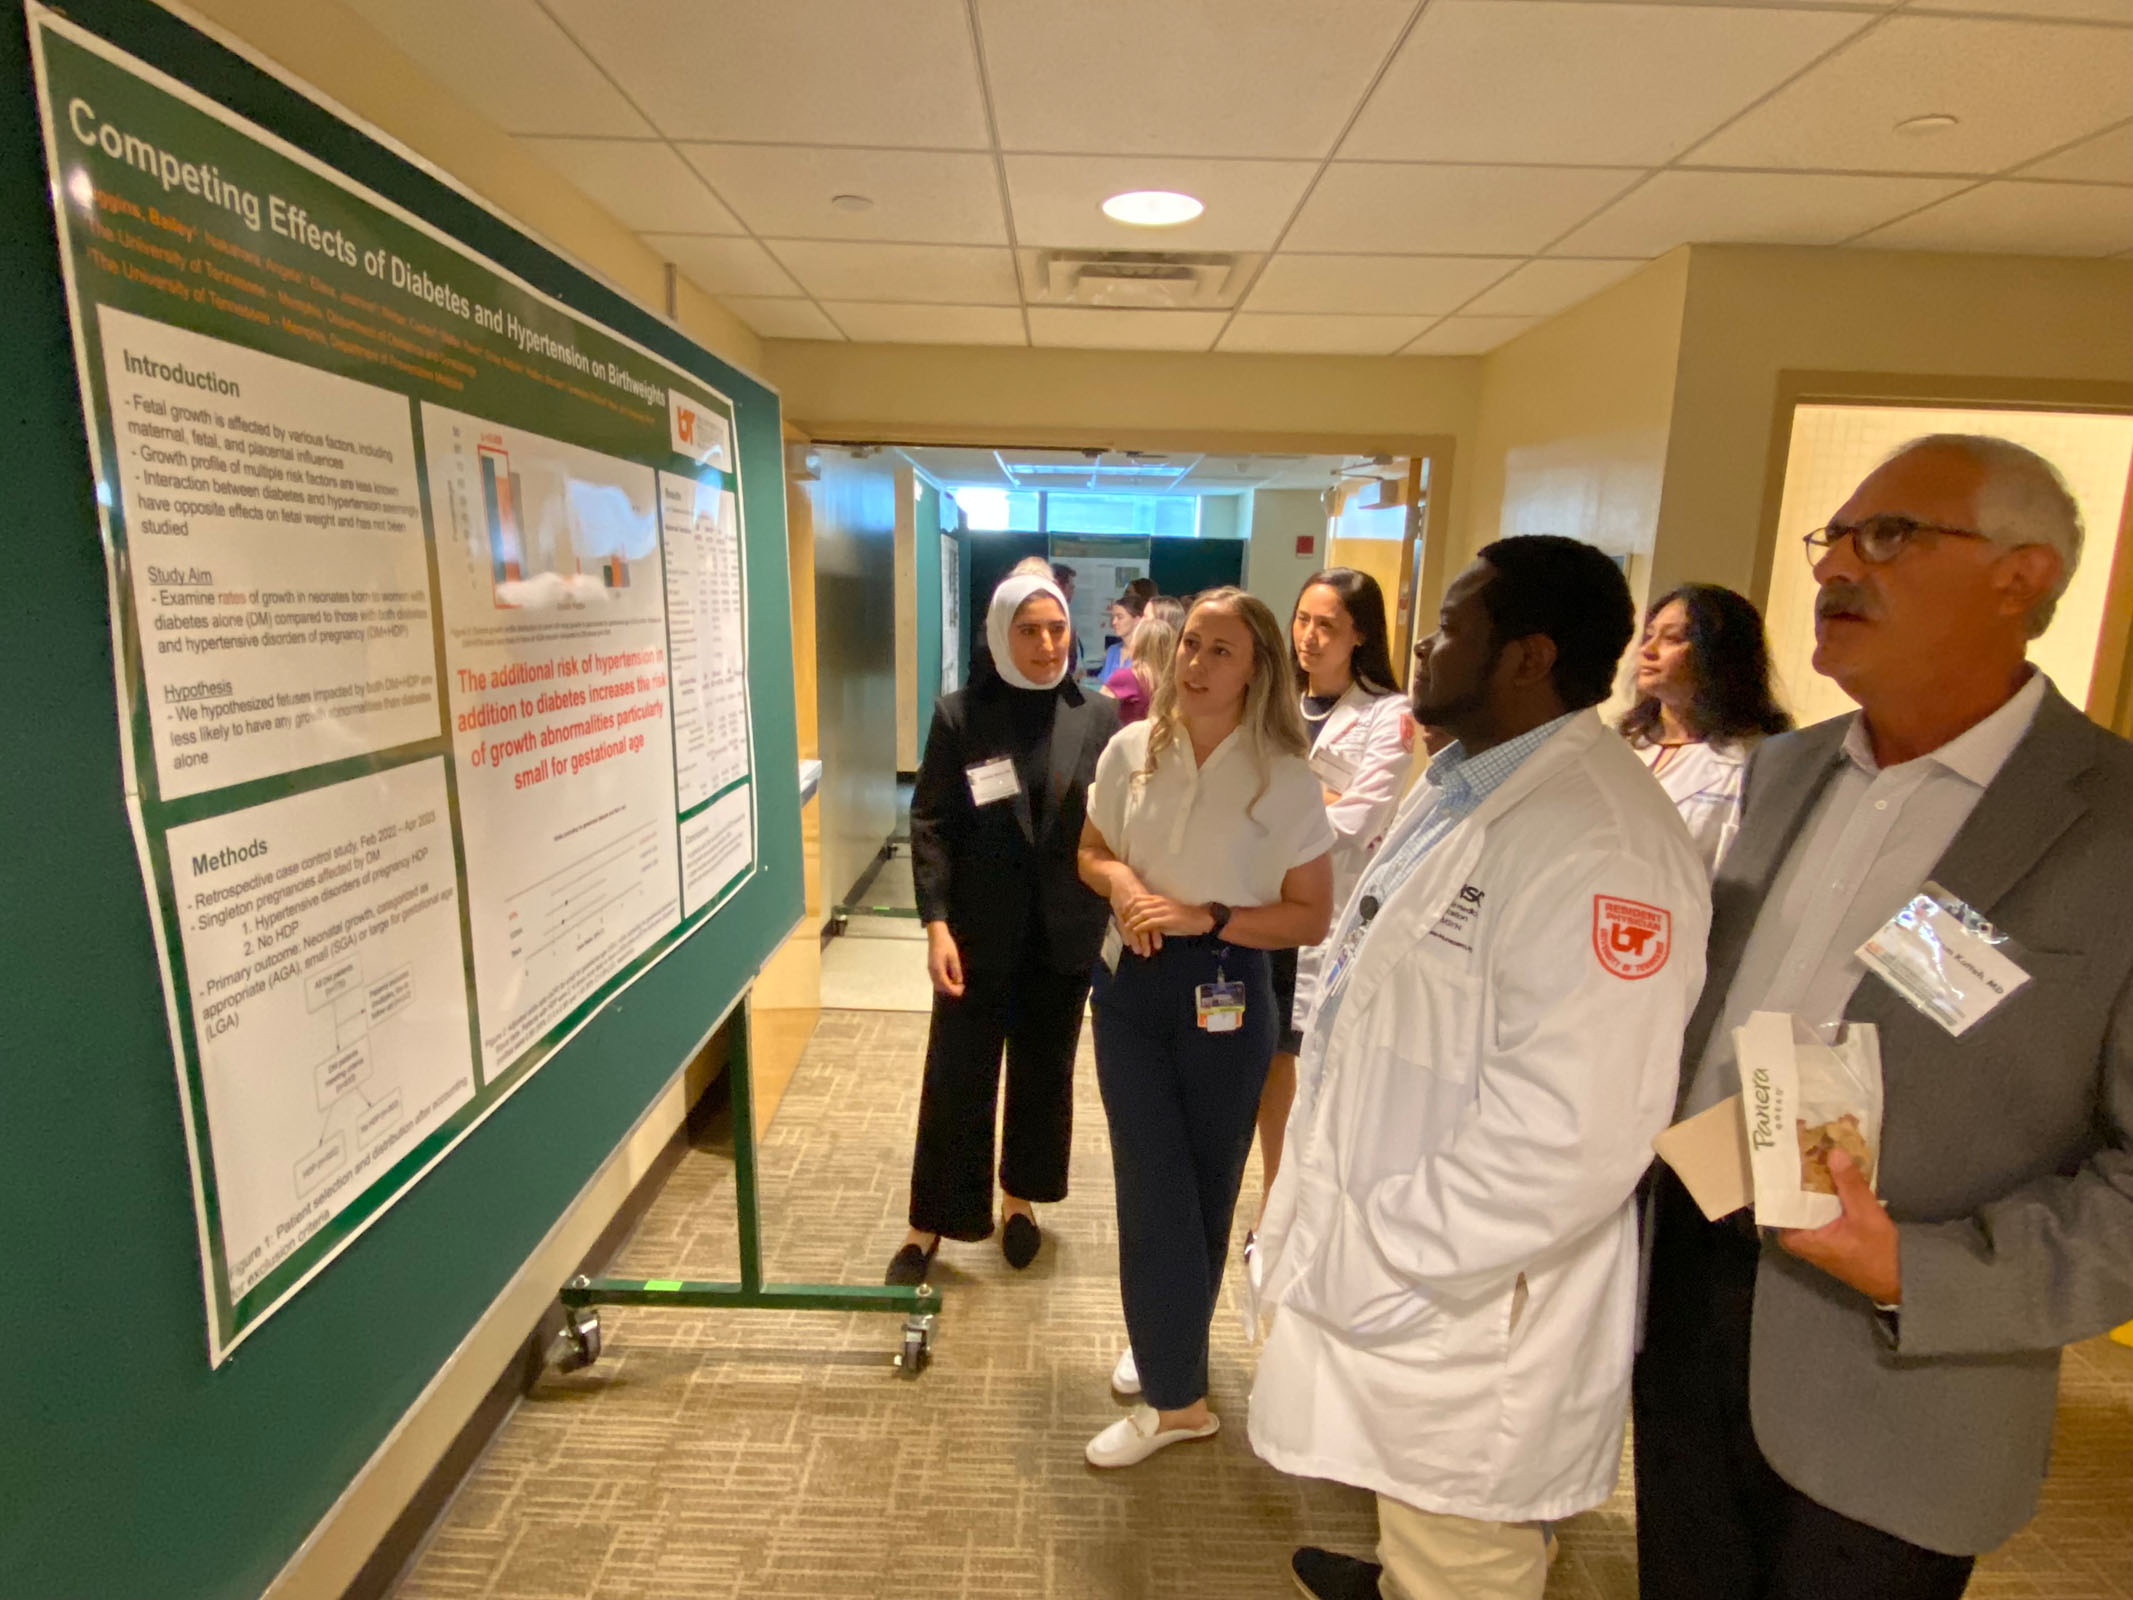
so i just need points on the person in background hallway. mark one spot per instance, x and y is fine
(1011, 931)
(1063, 576)
(1148, 657)
(1352, 711)
(1124, 615)
(1863, 1408)
(1450, 1250)
(1207, 834)
(1704, 703)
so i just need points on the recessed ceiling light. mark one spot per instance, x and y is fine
(852, 202)
(1931, 122)
(1152, 208)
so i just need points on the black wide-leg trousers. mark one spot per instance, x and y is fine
(1035, 1015)
(1714, 1519)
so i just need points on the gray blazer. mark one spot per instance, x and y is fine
(2006, 1159)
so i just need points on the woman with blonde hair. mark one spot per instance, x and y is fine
(1207, 833)
(1148, 655)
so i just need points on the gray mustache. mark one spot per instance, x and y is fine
(1843, 595)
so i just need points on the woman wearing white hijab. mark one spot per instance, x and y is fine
(1011, 930)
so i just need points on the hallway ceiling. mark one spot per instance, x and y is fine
(1420, 179)
(1135, 472)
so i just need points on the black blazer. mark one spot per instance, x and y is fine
(980, 868)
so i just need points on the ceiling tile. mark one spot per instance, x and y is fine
(1058, 201)
(796, 72)
(2043, 219)
(920, 196)
(930, 274)
(780, 318)
(1189, 77)
(2107, 158)
(724, 266)
(1468, 336)
(1542, 288)
(905, 324)
(1410, 285)
(1098, 329)
(1320, 335)
(1463, 210)
(642, 182)
(1541, 80)
(2068, 10)
(1695, 207)
(528, 77)
(2019, 89)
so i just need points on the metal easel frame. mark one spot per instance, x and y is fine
(581, 1297)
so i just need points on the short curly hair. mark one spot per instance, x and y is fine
(1570, 591)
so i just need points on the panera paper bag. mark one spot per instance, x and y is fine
(1801, 1098)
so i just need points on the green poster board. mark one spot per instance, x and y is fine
(443, 593)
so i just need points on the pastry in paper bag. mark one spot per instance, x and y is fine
(1803, 1096)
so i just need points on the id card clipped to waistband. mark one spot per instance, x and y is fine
(1218, 1007)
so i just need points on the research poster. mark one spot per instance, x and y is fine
(429, 610)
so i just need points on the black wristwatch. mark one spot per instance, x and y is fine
(1221, 913)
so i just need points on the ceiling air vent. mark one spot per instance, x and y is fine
(1136, 279)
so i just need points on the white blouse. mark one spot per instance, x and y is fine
(1200, 833)
(1704, 782)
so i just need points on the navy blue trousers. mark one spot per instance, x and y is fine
(1180, 1102)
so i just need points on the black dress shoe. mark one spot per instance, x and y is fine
(1328, 1575)
(907, 1268)
(1019, 1240)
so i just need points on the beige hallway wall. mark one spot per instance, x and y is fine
(1272, 569)
(334, 50)
(1573, 425)
(1967, 329)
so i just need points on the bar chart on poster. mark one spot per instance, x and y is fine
(430, 609)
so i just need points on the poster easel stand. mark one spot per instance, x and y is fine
(581, 1297)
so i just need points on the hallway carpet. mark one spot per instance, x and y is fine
(778, 1454)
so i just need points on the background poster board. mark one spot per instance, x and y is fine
(428, 609)
(951, 614)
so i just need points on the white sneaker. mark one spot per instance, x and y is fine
(1134, 1437)
(1126, 1376)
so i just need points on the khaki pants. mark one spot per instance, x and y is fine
(1430, 1556)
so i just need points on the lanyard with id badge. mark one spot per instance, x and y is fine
(1218, 1007)
(1945, 958)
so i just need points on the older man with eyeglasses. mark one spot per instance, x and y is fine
(1861, 1409)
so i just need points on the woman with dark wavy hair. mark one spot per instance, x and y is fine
(1704, 701)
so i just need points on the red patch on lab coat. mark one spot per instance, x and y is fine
(1631, 939)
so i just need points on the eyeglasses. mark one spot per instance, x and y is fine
(1878, 539)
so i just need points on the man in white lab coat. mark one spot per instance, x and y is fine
(1450, 1251)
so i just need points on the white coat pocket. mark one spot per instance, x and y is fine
(1349, 1288)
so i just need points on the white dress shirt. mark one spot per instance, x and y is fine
(1870, 844)
(1228, 831)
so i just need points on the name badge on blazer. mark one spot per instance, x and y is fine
(1944, 958)
(992, 780)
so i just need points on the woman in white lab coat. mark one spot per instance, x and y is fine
(1351, 702)
(1703, 704)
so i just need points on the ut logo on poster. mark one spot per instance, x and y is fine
(698, 434)
(1631, 938)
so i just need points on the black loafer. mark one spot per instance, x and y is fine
(1019, 1240)
(907, 1268)
(1329, 1575)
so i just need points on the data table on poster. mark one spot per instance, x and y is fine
(430, 609)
